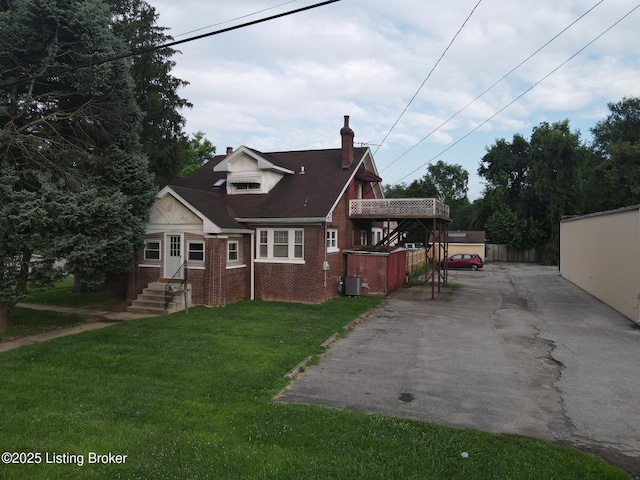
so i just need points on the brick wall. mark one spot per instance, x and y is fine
(295, 282)
(140, 277)
(237, 281)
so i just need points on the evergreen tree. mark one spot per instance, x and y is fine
(162, 136)
(75, 185)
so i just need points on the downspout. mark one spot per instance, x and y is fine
(252, 286)
(324, 270)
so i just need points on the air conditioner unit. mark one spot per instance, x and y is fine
(353, 286)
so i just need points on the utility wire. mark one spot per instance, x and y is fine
(427, 77)
(519, 96)
(235, 19)
(495, 83)
(166, 45)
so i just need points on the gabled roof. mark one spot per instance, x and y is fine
(261, 159)
(311, 190)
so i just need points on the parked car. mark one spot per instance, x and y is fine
(413, 246)
(463, 260)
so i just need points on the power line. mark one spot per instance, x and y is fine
(495, 83)
(235, 19)
(166, 45)
(521, 95)
(427, 77)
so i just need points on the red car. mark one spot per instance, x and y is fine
(463, 260)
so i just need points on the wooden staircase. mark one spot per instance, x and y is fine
(152, 300)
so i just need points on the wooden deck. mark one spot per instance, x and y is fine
(397, 208)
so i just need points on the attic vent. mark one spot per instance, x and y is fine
(458, 234)
(245, 182)
(246, 185)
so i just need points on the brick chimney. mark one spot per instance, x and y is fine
(347, 143)
(229, 151)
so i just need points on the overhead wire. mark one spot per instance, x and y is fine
(142, 51)
(521, 95)
(235, 19)
(427, 77)
(495, 83)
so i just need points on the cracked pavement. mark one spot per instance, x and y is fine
(516, 349)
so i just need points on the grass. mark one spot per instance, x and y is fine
(190, 396)
(25, 322)
(452, 288)
(62, 295)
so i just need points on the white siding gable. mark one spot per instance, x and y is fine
(249, 173)
(168, 214)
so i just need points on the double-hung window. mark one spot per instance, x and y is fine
(281, 244)
(232, 252)
(152, 251)
(332, 240)
(195, 251)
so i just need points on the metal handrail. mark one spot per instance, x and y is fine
(169, 292)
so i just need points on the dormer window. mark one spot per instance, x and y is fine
(249, 172)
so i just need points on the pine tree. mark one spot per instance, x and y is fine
(162, 137)
(74, 182)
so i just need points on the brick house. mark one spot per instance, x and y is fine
(253, 225)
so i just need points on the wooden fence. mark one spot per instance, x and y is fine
(505, 253)
(415, 259)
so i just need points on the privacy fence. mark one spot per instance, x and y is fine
(506, 253)
(415, 259)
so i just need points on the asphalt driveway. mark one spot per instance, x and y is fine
(515, 349)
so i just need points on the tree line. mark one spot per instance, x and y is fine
(531, 183)
(82, 150)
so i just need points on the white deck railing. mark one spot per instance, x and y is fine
(398, 207)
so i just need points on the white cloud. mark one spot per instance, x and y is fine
(287, 83)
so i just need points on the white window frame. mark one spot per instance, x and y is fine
(189, 250)
(364, 237)
(332, 240)
(236, 250)
(147, 249)
(266, 243)
(376, 235)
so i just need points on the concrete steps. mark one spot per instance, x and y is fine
(152, 300)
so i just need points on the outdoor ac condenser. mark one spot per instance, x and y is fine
(353, 286)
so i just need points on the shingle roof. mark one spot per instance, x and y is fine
(302, 195)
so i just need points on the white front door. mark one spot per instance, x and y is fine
(173, 257)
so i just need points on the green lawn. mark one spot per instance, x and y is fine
(62, 295)
(25, 322)
(190, 396)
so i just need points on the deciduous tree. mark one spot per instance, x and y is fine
(614, 176)
(201, 150)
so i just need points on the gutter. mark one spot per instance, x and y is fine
(282, 221)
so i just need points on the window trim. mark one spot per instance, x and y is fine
(236, 251)
(295, 243)
(190, 251)
(332, 240)
(159, 250)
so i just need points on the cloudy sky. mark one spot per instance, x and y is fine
(286, 84)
